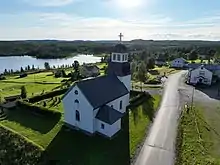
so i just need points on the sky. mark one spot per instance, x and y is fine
(105, 19)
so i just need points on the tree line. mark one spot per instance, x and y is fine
(62, 49)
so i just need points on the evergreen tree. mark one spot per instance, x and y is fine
(23, 92)
(46, 65)
(22, 70)
(33, 68)
(5, 72)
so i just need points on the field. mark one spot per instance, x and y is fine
(67, 145)
(198, 140)
(35, 83)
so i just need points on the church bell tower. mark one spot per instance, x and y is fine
(119, 65)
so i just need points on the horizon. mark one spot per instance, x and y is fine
(97, 20)
(63, 40)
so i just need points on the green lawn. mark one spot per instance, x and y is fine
(139, 119)
(64, 145)
(196, 139)
(34, 83)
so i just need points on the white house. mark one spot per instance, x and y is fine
(201, 75)
(96, 105)
(178, 63)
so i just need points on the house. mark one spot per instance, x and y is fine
(89, 71)
(178, 63)
(96, 105)
(160, 61)
(200, 75)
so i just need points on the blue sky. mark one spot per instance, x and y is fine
(105, 19)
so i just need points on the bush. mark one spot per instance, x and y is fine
(23, 92)
(47, 95)
(14, 149)
(23, 75)
(2, 78)
(153, 81)
(39, 110)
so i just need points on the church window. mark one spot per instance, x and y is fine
(77, 116)
(77, 101)
(123, 57)
(119, 57)
(126, 57)
(120, 104)
(76, 92)
(112, 106)
(114, 57)
(102, 126)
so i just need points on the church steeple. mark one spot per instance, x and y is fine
(120, 52)
(119, 64)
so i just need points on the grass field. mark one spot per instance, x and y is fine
(196, 140)
(67, 145)
(34, 83)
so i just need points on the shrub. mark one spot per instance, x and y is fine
(153, 81)
(2, 78)
(47, 95)
(23, 75)
(39, 110)
(14, 149)
(23, 92)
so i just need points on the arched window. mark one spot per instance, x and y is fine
(76, 104)
(120, 104)
(77, 116)
(76, 92)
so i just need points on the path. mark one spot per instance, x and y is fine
(159, 147)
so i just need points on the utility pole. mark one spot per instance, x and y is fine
(192, 98)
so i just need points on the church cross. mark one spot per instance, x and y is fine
(121, 35)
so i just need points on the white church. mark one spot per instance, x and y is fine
(96, 105)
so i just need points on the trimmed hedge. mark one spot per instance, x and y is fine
(47, 95)
(139, 99)
(16, 150)
(38, 110)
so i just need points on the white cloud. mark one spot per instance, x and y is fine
(49, 2)
(73, 27)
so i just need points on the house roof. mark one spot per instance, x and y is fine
(108, 115)
(101, 90)
(211, 67)
(90, 67)
(120, 48)
(181, 58)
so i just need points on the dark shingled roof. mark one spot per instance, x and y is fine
(101, 90)
(108, 115)
(120, 48)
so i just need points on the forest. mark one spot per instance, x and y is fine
(61, 49)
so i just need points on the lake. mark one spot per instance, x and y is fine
(16, 62)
